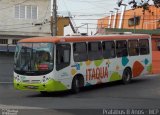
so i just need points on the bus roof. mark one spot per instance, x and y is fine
(84, 38)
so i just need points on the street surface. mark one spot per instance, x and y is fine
(141, 93)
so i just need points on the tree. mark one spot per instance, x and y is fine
(156, 3)
(140, 3)
(119, 3)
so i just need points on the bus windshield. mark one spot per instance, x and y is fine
(33, 58)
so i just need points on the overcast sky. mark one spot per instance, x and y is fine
(86, 11)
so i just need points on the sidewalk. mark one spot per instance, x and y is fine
(156, 62)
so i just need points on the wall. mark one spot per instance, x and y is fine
(156, 62)
(148, 19)
(62, 22)
(9, 23)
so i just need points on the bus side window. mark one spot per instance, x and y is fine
(121, 48)
(133, 47)
(63, 52)
(95, 51)
(80, 52)
(144, 46)
(108, 49)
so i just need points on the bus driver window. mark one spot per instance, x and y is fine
(44, 61)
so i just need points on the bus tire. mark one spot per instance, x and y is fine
(75, 85)
(127, 76)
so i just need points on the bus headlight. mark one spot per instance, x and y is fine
(45, 79)
(18, 78)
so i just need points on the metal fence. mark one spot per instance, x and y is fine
(7, 48)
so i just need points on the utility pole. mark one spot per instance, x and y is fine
(122, 16)
(115, 18)
(54, 18)
(134, 22)
(110, 19)
(87, 29)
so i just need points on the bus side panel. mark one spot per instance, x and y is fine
(105, 70)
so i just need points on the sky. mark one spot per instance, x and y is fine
(85, 11)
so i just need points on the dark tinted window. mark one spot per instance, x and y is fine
(80, 52)
(3, 41)
(121, 48)
(14, 41)
(134, 21)
(62, 56)
(94, 51)
(144, 46)
(133, 47)
(108, 49)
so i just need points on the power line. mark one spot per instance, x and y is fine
(66, 6)
(18, 28)
(14, 5)
(48, 22)
(87, 28)
(21, 27)
(31, 23)
(16, 24)
(107, 19)
(46, 11)
(85, 14)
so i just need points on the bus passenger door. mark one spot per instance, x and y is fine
(63, 59)
(63, 53)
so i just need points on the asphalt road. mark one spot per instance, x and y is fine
(141, 93)
(6, 67)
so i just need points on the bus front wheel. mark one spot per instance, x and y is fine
(127, 75)
(75, 85)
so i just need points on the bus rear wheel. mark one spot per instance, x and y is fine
(127, 75)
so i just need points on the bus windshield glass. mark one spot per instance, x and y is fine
(34, 58)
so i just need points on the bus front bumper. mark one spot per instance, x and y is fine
(49, 86)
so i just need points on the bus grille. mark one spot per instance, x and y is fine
(31, 81)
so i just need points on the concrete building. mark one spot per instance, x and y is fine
(136, 21)
(25, 18)
(148, 19)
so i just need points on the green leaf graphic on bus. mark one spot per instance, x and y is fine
(115, 76)
(98, 62)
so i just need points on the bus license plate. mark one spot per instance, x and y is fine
(31, 87)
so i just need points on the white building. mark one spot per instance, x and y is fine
(21, 19)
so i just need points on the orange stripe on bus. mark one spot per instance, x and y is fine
(84, 38)
(40, 39)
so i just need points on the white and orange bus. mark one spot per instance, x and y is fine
(49, 64)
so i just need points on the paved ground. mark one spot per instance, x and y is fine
(141, 93)
(6, 67)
